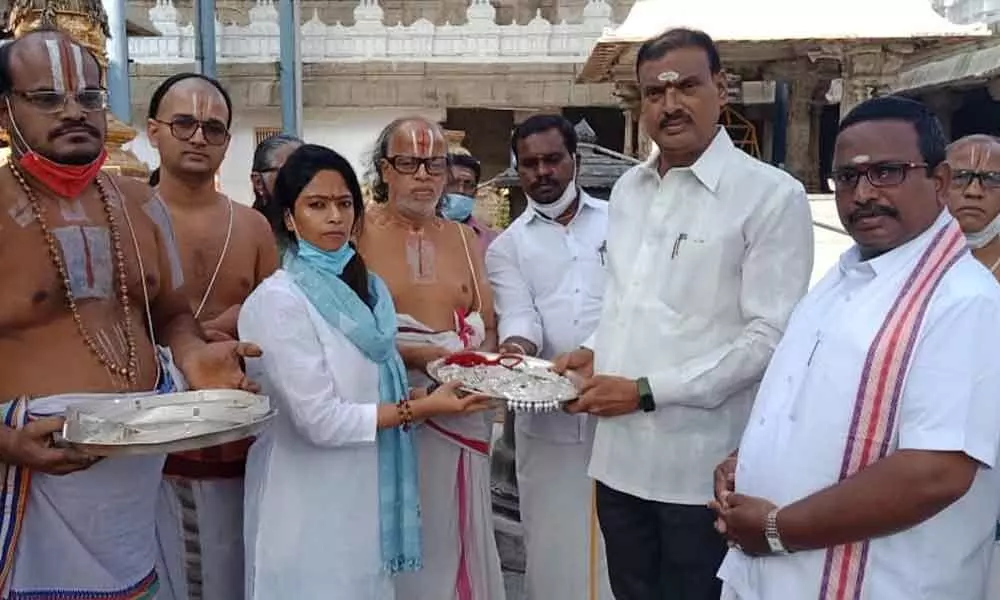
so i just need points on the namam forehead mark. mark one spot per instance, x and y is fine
(421, 139)
(983, 155)
(65, 65)
(197, 98)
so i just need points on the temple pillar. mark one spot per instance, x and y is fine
(854, 92)
(799, 85)
(636, 142)
(629, 142)
(799, 133)
(868, 70)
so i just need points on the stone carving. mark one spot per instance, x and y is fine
(479, 39)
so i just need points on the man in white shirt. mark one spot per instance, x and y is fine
(974, 200)
(871, 445)
(548, 276)
(708, 252)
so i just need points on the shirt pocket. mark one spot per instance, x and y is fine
(593, 268)
(697, 269)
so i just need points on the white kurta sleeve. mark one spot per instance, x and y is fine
(776, 269)
(294, 367)
(512, 294)
(951, 401)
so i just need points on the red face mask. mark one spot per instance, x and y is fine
(65, 181)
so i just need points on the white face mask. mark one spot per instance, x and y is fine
(979, 239)
(554, 210)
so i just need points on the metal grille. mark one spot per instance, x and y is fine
(262, 133)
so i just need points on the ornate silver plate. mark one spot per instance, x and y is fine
(165, 423)
(528, 386)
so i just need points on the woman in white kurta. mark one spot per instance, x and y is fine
(331, 488)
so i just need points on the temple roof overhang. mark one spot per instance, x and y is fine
(768, 31)
(957, 69)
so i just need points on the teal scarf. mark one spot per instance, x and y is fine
(373, 332)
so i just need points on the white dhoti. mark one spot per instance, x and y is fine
(199, 531)
(460, 555)
(563, 543)
(89, 535)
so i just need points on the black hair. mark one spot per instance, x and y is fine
(466, 162)
(373, 175)
(7, 52)
(675, 39)
(930, 135)
(154, 177)
(157, 98)
(300, 169)
(538, 124)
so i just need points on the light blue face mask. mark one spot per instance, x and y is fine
(457, 207)
(332, 261)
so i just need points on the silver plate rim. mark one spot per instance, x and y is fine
(232, 433)
(434, 366)
(205, 440)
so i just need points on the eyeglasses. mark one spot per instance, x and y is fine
(880, 175)
(89, 100)
(989, 180)
(408, 165)
(214, 131)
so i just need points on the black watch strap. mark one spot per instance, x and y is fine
(646, 401)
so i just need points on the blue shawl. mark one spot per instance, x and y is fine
(373, 332)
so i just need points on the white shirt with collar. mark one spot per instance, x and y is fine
(548, 281)
(794, 443)
(705, 265)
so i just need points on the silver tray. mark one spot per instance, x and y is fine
(165, 423)
(530, 386)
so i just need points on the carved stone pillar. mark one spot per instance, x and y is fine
(627, 95)
(854, 92)
(802, 132)
(628, 145)
(867, 71)
(798, 159)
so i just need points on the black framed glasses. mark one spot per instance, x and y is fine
(51, 101)
(408, 165)
(183, 128)
(963, 178)
(880, 174)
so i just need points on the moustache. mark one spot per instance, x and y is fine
(872, 210)
(75, 128)
(546, 181)
(673, 119)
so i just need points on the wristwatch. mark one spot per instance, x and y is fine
(646, 402)
(771, 533)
